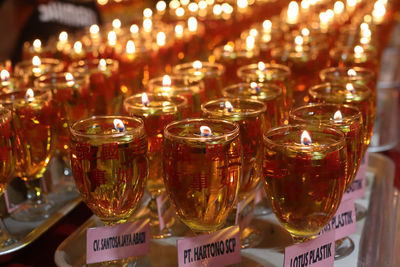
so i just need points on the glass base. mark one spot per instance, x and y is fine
(262, 208)
(155, 231)
(33, 212)
(361, 212)
(250, 237)
(343, 248)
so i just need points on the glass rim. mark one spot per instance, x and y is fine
(329, 72)
(254, 113)
(322, 129)
(226, 136)
(248, 70)
(43, 61)
(82, 66)
(361, 90)
(130, 107)
(195, 82)
(275, 92)
(138, 130)
(9, 98)
(45, 81)
(212, 68)
(355, 117)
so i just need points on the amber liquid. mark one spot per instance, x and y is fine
(305, 188)
(202, 181)
(35, 138)
(7, 163)
(110, 175)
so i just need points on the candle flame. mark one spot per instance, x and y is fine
(305, 4)
(179, 30)
(161, 6)
(253, 32)
(102, 65)
(227, 8)
(228, 106)
(147, 13)
(166, 81)
(217, 10)
(292, 12)
(116, 24)
(119, 125)
(228, 47)
(145, 100)
(305, 32)
(267, 25)
(36, 61)
(69, 78)
(305, 138)
(351, 72)
(242, 3)
(180, 12)
(261, 66)
(349, 87)
(4, 75)
(130, 47)
(147, 25)
(205, 131)
(358, 51)
(298, 40)
(338, 7)
(29, 95)
(193, 7)
(250, 42)
(37, 44)
(63, 37)
(255, 87)
(197, 64)
(134, 29)
(78, 47)
(351, 3)
(338, 115)
(192, 24)
(94, 29)
(364, 26)
(161, 37)
(202, 4)
(112, 38)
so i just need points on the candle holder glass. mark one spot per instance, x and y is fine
(156, 114)
(250, 116)
(202, 171)
(25, 72)
(32, 120)
(300, 176)
(109, 165)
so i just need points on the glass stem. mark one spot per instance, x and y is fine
(34, 191)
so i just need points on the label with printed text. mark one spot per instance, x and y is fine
(319, 252)
(217, 249)
(344, 221)
(117, 242)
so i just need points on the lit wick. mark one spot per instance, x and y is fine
(37, 45)
(78, 47)
(145, 100)
(358, 51)
(161, 38)
(134, 29)
(69, 79)
(338, 116)
(112, 38)
(29, 95)
(119, 125)
(349, 87)
(299, 43)
(166, 83)
(94, 30)
(205, 131)
(102, 65)
(116, 24)
(36, 64)
(305, 138)
(4, 75)
(256, 88)
(130, 47)
(192, 24)
(228, 106)
(261, 66)
(63, 37)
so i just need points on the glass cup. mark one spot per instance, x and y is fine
(202, 165)
(188, 86)
(104, 84)
(32, 119)
(156, 111)
(351, 94)
(269, 94)
(348, 120)
(210, 73)
(109, 165)
(7, 165)
(249, 115)
(28, 70)
(305, 168)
